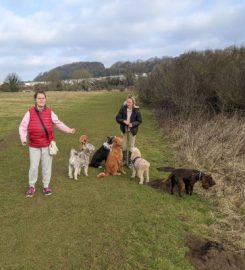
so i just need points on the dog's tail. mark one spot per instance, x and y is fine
(165, 169)
(102, 174)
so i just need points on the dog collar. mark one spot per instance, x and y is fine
(134, 160)
(199, 176)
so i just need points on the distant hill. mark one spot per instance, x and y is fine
(73, 71)
(80, 70)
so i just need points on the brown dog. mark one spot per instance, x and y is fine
(114, 162)
(187, 177)
(83, 141)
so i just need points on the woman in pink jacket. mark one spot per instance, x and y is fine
(39, 140)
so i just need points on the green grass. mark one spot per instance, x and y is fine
(92, 223)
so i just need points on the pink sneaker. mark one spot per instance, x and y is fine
(30, 192)
(47, 191)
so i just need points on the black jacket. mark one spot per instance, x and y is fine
(135, 119)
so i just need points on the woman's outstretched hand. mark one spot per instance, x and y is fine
(73, 131)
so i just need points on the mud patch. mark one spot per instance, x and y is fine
(209, 255)
(162, 185)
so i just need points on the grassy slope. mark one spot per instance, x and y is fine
(90, 224)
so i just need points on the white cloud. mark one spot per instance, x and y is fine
(59, 32)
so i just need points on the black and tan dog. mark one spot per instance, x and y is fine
(187, 177)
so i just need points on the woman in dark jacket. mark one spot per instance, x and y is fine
(129, 118)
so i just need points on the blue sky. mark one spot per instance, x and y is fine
(36, 36)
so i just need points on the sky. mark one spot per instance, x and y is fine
(36, 36)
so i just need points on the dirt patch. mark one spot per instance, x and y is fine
(209, 255)
(162, 185)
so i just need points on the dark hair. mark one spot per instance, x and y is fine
(39, 92)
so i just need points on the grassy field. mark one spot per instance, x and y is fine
(92, 223)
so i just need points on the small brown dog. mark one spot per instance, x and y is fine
(187, 177)
(83, 141)
(114, 162)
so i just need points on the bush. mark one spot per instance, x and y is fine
(210, 80)
(12, 83)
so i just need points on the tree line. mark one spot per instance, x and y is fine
(212, 80)
(82, 72)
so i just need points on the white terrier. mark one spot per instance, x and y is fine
(140, 166)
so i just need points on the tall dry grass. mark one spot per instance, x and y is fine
(196, 96)
(215, 145)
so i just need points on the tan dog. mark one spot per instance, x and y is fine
(83, 141)
(140, 166)
(114, 162)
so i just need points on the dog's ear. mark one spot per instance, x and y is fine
(211, 180)
(134, 151)
(119, 140)
(205, 185)
(209, 177)
(208, 181)
(73, 152)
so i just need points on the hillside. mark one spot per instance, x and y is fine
(80, 70)
(73, 71)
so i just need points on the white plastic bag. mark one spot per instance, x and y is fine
(53, 149)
